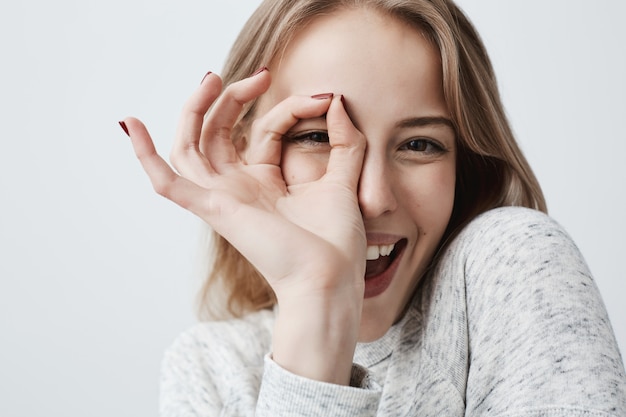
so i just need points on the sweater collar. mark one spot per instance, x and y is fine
(371, 353)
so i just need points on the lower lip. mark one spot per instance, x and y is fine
(377, 284)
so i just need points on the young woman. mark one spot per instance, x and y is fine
(379, 235)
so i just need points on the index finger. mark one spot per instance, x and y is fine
(347, 146)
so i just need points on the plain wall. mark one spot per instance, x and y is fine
(97, 273)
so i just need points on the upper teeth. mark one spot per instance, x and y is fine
(376, 251)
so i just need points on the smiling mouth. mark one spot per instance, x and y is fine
(380, 258)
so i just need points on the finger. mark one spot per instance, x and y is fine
(347, 146)
(243, 225)
(164, 180)
(186, 156)
(215, 139)
(268, 131)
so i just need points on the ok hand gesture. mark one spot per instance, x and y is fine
(307, 240)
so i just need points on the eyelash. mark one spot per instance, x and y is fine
(312, 138)
(432, 147)
(320, 138)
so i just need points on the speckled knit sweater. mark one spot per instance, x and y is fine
(510, 323)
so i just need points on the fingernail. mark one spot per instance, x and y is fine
(125, 128)
(343, 101)
(322, 96)
(205, 75)
(260, 70)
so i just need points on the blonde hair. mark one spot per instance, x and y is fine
(491, 169)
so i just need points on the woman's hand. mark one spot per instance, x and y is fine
(308, 240)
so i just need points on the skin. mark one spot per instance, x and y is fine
(402, 193)
(321, 180)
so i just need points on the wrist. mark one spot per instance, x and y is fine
(315, 337)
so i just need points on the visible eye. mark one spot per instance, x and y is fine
(423, 145)
(312, 138)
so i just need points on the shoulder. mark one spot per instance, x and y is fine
(212, 345)
(515, 238)
(216, 366)
(515, 254)
(512, 223)
(531, 317)
(257, 324)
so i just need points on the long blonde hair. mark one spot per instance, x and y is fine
(491, 169)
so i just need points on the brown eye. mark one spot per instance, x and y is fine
(417, 145)
(423, 145)
(313, 137)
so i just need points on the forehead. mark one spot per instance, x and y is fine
(379, 63)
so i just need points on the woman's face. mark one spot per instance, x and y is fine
(390, 77)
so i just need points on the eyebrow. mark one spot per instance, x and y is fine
(425, 121)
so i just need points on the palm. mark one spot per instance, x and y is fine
(310, 230)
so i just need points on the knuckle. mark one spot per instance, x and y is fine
(162, 188)
(261, 129)
(232, 93)
(179, 157)
(179, 154)
(221, 132)
(144, 157)
(175, 157)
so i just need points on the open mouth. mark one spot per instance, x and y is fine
(381, 257)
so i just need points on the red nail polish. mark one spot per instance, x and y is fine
(260, 70)
(322, 96)
(343, 101)
(125, 128)
(205, 75)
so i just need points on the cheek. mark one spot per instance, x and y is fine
(300, 167)
(430, 197)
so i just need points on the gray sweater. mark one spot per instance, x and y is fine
(509, 323)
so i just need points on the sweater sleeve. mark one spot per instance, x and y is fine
(223, 369)
(540, 341)
(285, 394)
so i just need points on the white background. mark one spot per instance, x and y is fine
(97, 274)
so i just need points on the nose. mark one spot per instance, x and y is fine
(376, 194)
